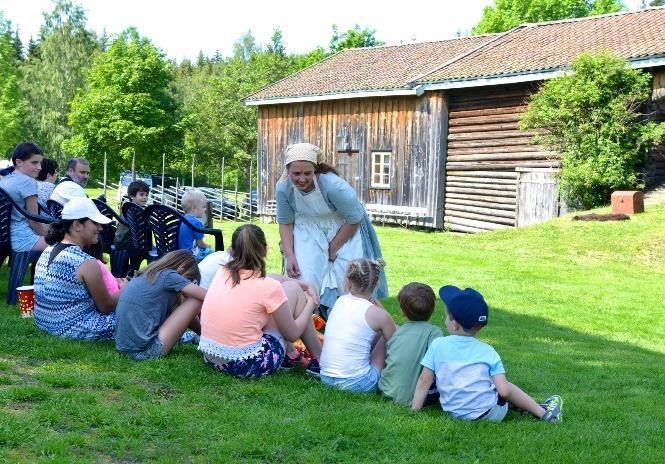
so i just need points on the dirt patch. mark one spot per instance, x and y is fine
(601, 217)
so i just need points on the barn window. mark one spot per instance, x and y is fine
(381, 169)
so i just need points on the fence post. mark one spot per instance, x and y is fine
(177, 189)
(105, 164)
(249, 193)
(236, 201)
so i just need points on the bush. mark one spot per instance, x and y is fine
(592, 118)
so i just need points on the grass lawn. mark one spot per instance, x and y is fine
(575, 309)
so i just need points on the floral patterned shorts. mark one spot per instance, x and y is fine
(266, 362)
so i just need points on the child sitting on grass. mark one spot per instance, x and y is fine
(137, 192)
(250, 319)
(151, 314)
(409, 344)
(469, 374)
(357, 331)
(194, 206)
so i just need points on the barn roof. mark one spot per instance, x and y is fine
(526, 53)
(553, 45)
(370, 69)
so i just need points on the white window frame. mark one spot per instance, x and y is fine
(385, 160)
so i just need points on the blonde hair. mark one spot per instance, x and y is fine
(191, 198)
(364, 273)
(182, 261)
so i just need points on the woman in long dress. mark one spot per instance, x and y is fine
(322, 224)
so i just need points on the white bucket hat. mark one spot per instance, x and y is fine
(79, 208)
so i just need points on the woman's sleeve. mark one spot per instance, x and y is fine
(284, 212)
(342, 197)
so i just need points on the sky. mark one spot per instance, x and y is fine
(183, 28)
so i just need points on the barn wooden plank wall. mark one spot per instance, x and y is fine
(412, 128)
(485, 146)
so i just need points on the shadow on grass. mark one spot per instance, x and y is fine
(176, 408)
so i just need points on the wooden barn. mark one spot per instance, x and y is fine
(428, 133)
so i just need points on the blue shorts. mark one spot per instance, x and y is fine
(266, 362)
(363, 384)
(154, 350)
(23, 237)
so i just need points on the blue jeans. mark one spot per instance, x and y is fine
(363, 384)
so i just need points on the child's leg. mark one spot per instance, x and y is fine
(515, 396)
(377, 357)
(178, 321)
(296, 303)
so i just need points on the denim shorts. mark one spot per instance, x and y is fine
(364, 384)
(154, 350)
(496, 413)
(266, 362)
(23, 237)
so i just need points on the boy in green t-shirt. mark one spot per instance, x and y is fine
(408, 345)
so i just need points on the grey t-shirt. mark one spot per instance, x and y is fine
(143, 308)
(19, 187)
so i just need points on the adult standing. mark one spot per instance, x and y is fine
(46, 179)
(322, 224)
(71, 186)
(71, 299)
(20, 184)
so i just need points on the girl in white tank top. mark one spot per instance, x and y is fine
(358, 327)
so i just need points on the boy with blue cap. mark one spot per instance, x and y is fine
(469, 374)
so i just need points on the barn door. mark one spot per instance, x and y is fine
(537, 195)
(349, 167)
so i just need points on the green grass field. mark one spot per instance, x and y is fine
(575, 309)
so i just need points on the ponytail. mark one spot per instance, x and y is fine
(249, 249)
(57, 230)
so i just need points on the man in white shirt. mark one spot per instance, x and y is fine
(71, 186)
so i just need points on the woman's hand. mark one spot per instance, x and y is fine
(332, 252)
(292, 268)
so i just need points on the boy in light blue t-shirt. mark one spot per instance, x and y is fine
(469, 374)
(193, 204)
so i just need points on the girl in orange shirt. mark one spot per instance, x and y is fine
(249, 320)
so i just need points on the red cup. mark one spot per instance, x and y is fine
(26, 300)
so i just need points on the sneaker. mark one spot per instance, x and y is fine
(300, 360)
(313, 368)
(552, 407)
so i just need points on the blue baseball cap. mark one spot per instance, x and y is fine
(466, 306)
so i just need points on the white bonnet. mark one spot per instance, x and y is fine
(303, 152)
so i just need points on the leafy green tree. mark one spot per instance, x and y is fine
(506, 14)
(54, 72)
(12, 105)
(592, 118)
(353, 38)
(127, 108)
(657, 3)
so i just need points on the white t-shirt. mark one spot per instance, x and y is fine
(66, 190)
(209, 266)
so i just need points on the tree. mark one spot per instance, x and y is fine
(353, 38)
(657, 3)
(592, 119)
(12, 106)
(506, 14)
(127, 109)
(54, 72)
